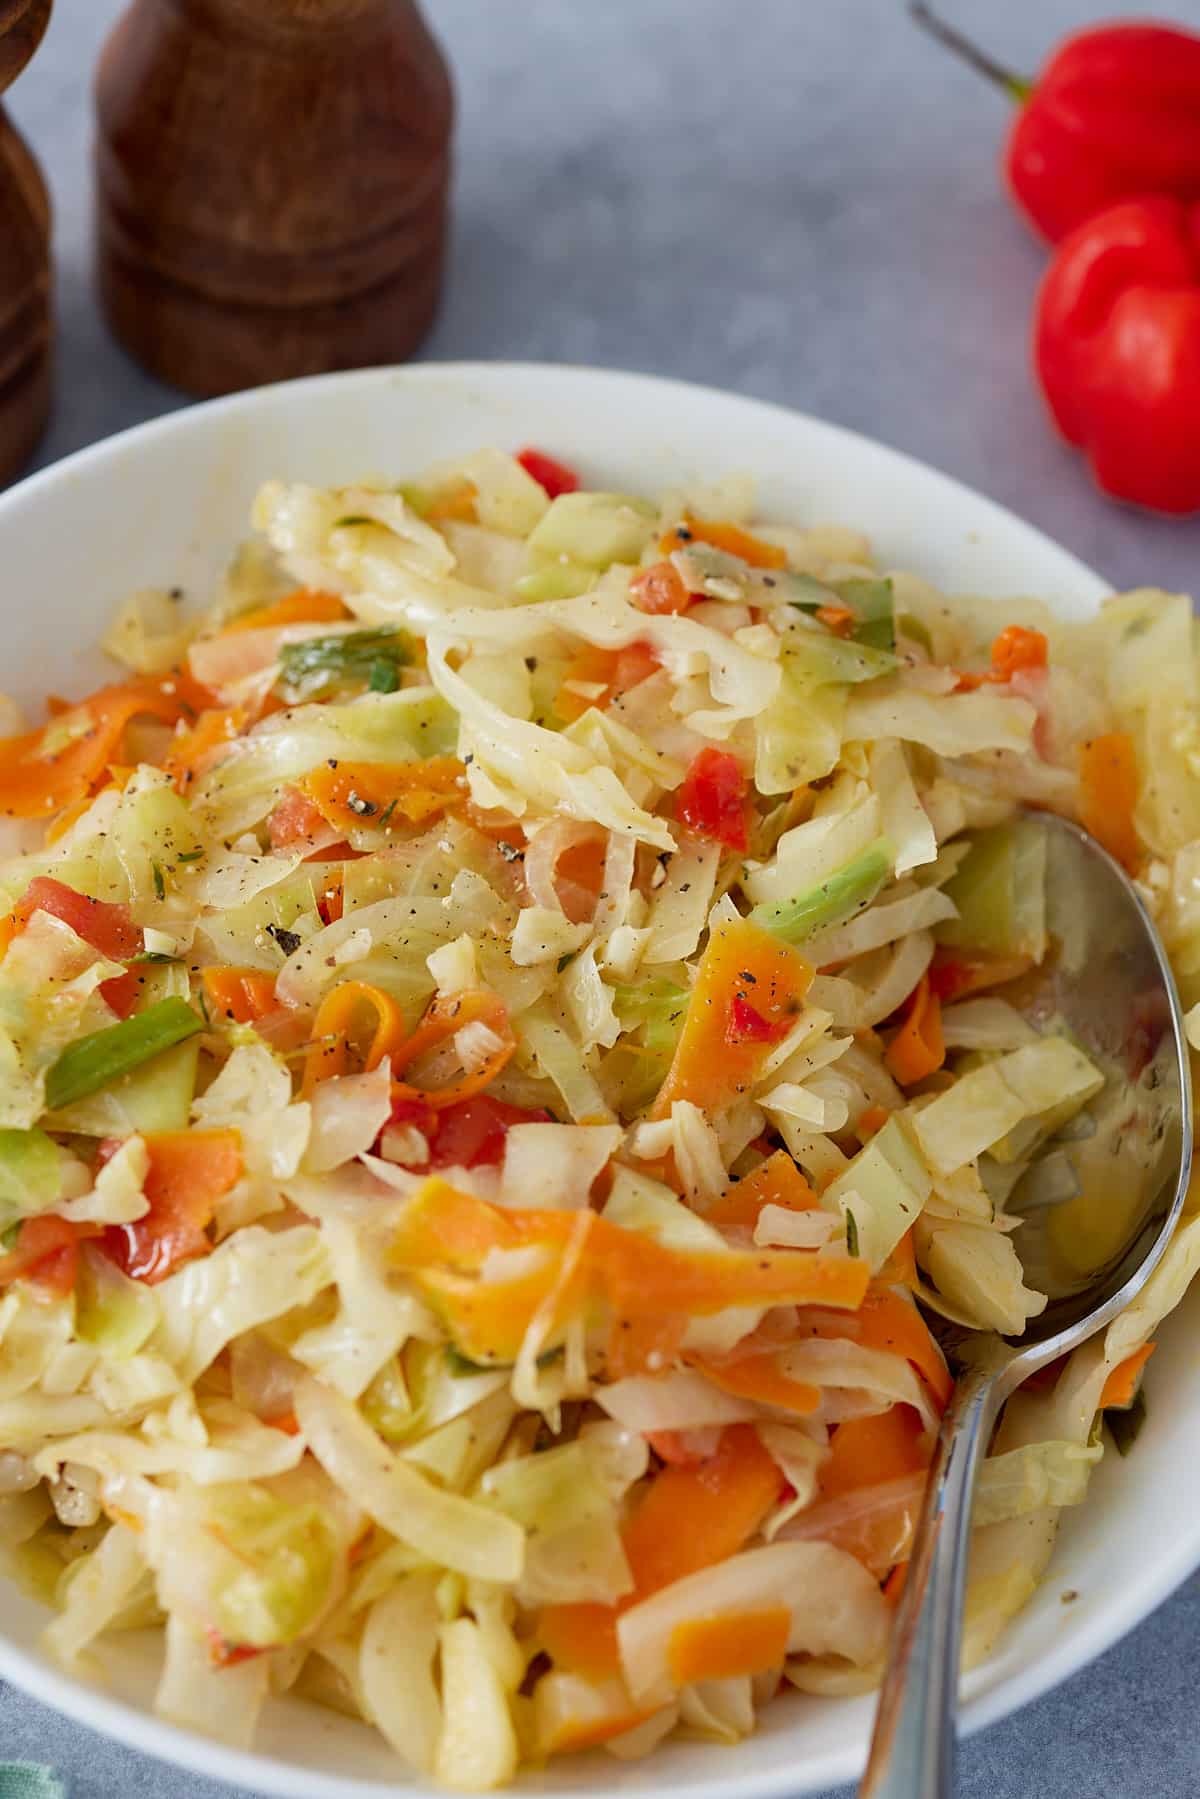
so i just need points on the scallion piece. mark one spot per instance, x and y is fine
(319, 664)
(92, 1062)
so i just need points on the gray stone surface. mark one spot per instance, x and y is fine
(797, 200)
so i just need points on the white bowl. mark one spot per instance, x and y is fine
(165, 504)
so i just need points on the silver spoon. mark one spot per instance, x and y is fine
(1110, 983)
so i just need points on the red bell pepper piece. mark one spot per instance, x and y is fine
(712, 799)
(1114, 114)
(46, 1253)
(746, 1025)
(554, 476)
(1117, 349)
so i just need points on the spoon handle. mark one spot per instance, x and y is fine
(912, 1749)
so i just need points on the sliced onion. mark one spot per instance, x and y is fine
(543, 850)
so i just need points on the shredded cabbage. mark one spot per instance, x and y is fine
(660, 881)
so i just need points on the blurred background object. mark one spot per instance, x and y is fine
(271, 185)
(24, 255)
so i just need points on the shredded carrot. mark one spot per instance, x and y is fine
(349, 794)
(1122, 1382)
(685, 1519)
(660, 589)
(760, 1378)
(1015, 650)
(713, 1065)
(866, 1452)
(838, 619)
(900, 1269)
(43, 771)
(888, 1320)
(729, 1644)
(596, 677)
(340, 1010)
(287, 1422)
(305, 606)
(193, 749)
(775, 1182)
(444, 1018)
(730, 538)
(1108, 791)
(870, 1121)
(456, 503)
(917, 1048)
(443, 1237)
(243, 994)
(607, 1715)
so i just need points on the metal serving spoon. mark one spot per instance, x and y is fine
(1109, 982)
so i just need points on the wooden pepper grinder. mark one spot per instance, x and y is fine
(271, 183)
(24, 255)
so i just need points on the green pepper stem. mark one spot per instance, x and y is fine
(1017, 87)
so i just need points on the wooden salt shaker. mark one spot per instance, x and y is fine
(271, 183)
(24, 255)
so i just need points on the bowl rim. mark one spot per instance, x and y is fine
(262, 1771)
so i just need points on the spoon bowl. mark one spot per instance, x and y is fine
(1098, 1206)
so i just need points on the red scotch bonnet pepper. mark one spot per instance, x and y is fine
(1114, 113)
(1117, 349)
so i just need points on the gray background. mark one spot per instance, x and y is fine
(796, 199)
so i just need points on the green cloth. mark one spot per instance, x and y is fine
(25, 1780)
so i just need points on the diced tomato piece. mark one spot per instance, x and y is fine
(296, 820)
(107, 928)
(660, 589)
(554, 476)
(745, 1025)
(46, 1253)
(472, 1133)
(712, 799)
(189, 1171)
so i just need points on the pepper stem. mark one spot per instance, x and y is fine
(1018, 87)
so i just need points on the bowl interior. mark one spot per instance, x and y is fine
(164, 505)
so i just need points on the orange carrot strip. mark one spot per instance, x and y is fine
(443, 1237)
(444, 1018)
(838, 619)
(243, 994)
(890, 1321)
(870, 1121)
(305, 606)
(760, 1378)
(730, 538)
(192, 749)
(331, 1028)
(370, 793)
(775, 1182)
(732, 1643)
(918, 1047)
(43, 771)
(723, 1500)
(713, 1063)
(1108, 791)
(1122, 1382)
(1017, 649)
(613, 672)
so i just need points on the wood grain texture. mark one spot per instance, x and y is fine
(271, 184)
(25, 330)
